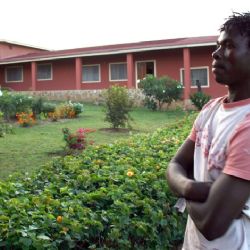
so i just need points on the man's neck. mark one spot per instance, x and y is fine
(238, 94)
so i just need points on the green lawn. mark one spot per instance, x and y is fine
(30, 148)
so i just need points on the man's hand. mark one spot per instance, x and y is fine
(225, 202)
(180, 175)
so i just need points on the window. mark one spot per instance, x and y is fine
(44, 72)
(14, 74)
(118, 72)
(198, 76)
(91, 73)
(144, 68)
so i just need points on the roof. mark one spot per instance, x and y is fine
(21, 44)
(114, 49)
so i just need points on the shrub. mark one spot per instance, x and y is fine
(78, 108)
(7, 105)
(25, 119)
(13, 102)
(22, 102)
(5, 128)
(48, 107)
(199, 99)
(37, 106)
(150, 103)
(163, 90)
(113, 196)
(76, 140)
(65, 110)
(117, 106)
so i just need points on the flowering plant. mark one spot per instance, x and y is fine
(78, 139)
(25, 119)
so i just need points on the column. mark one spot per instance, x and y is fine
(130, 71)
(78, 72)
(187, 73)
(33, 76)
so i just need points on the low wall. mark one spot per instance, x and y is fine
(87, 96)
(96, 97)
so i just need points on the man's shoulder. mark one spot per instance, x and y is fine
(213, 102)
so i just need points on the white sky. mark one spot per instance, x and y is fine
(64, 24)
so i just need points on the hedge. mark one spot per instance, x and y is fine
(112, 196)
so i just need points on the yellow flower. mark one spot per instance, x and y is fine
(130, 173)
(59, 219)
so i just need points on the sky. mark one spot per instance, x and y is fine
(65, 24)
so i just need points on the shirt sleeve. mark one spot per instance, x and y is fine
(192, 135)
(200, 118)
(238, 153)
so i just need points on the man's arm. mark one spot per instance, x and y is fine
(225, 202)
(179, 175)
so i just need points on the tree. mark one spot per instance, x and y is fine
(161, 90)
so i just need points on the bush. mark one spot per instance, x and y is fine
(13, 102)
(78, 108)
(7, 105)
(112, 196)
(161, 90)
(117, 107)
(25, 119)
(22, 102)
(5, 128)
(77, 140)
(37, 106)
(199, 99)
(48, 107)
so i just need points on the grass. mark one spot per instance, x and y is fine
(29, 148)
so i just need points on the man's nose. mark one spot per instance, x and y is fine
(216, 54)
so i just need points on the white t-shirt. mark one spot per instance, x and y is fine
(222, 144)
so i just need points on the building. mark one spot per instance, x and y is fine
(188, 60)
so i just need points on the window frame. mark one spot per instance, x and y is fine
(51, 70)
(99, 73)
(136, 71)
(119, 80)
(200, 67)
(6, 74)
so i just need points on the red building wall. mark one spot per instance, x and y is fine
(104, 62)
(18, 86)
(63, 76)
(168, 62)
(8, 50)
(203, 57)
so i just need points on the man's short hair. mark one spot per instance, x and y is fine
(240, 21)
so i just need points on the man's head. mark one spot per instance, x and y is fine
(231, 59)
(239, 21)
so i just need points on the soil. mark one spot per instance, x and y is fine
(115, 130)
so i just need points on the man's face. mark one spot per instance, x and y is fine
(231, 60)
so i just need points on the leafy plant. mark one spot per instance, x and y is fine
(161, 90)
(114, 196)
(25, 119)
(76, 140)
(48, 107)
(5, 128)
(199, 99)
(7, 105)
(78, 108)
(37, 106)
(22, 102)
(117, 106)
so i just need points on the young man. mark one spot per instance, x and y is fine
(211, 170)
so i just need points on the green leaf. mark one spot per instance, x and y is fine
(43, 237)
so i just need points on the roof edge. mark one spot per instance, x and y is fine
(122, 51)
(22, 44)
